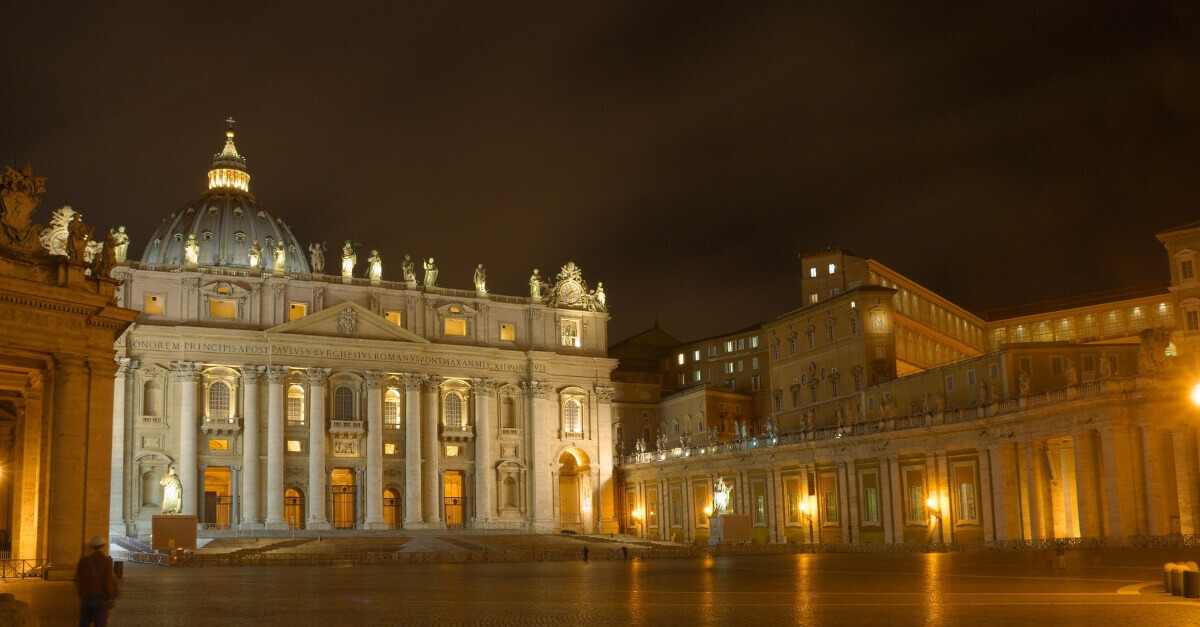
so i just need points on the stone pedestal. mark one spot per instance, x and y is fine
(728, 528)
(173, 531)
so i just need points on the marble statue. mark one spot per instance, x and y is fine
(280, 257)
(316, 257)
(600, 297)
(78, 236)
(192, 250)
(431, 273)
(254, 253)
(407, 270)
(121, 244)
(1072, 375)
(374, 266)
(721, 493)
(1023, 382)
(713, 438)
(104, 262)
(535, 285)
(349, 259)
(172, 502)
(480, 278)
(640, 446)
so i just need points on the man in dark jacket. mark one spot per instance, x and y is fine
(96, 585)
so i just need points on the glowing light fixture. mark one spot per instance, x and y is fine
(1195, 395)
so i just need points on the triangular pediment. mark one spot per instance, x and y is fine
(348, 320)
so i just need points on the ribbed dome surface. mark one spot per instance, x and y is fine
(226, 221)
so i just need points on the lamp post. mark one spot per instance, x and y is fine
(808, 518)
(931, 504)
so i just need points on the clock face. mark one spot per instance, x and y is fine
(569, 292)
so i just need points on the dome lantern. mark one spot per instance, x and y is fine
(229, 168)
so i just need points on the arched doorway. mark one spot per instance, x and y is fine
(452, 490)
(574, 491)
(345, 495)
(392, 514)
(293, 508)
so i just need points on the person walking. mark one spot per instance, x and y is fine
(96, 585)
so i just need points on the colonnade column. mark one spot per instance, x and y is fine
(275, 445)
(374, 479)
(1087, 489)
(885, 500)
(1182, 439)
(485, 390)
(412, 448)
(542, 507)
(184, 373)
(607, 499)
(68, 445)
(1156, 488)
(318, 378)
(250, 512)
(117, 506)
(431, 447)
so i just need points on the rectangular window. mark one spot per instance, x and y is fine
(297, 310)
(1193, 320)
(712, 351)
(950, 383)
(870, 506)
(651, 510)
(813, 298)
(994, 370)
(812, 272)
(454, 326)
(853, 325)
(570, 333)
(832, 268)
(1026, 365)
(225, 309)
(729, 346)
(394, 317)
(758, 497)
(453, 450)
(729, 367)
(682, 379)
(916, 505)
(754, 363)
(756, 382)
(831, 334)
(508, 332)
(294, 446)
(695, 355)
(971, 378)
(1186, 271)
(792, 488)
(964, 476)
(741, 365)
(218, 445)
(1056, 367)
(680, 359)
(1089, 363)
(774, 351)
(696, 375)
(792, 345)
(155, 304)
(741, 343)
(676, 508)
(700, 496)
(831, 507)
(754, 341)
(390, 448)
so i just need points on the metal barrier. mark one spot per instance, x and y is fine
(21, 569)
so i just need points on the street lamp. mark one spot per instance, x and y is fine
(808, 518)
(1195, 395)
(932, 504)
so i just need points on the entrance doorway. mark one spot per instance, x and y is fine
(218, 498)
(391, 509)
(293, 508)
(574, 491)
(452, 488)
(345, 495)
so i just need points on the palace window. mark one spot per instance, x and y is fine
(297, 310)
(853, 325)
(218, 400)
(155, 304)
(569, 332)
(454, 326)
(712, 351)
(870, 505)
(453, 410)
(680, 359)
(391, 409)
(775, 351)
(753, 341)
(832, 333)
(728, 346)
(390, 448)
(695, 355)
(572, 422)
(832, 268)
(218, 445)
(294, 446)
(1193, 320)
(791, 345)
(964, 477)
(224, 309)
(1186, 271)
(295, 406)
(343, 403)
(394, 317)
(508, 332)
(812, 341)
(812, 272)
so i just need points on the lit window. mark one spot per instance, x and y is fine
(712, 351)
(696, 355)
(680, 359)
(453, 410)
(729, 346)
(218, 445)
(814, 297)
(452, 451)
(508, 332)
(754, 341)
(455, 326)
(569, 332)
(390, 449)
(729, 367)
(218, 400)
(754, 363)
(391, 409)
(812, 272)
(295, 406)
(572, 422)
(394, 317)
(832, 268)
(226, 309)
(293, 446)
(696, 375)
(297, 310)
(154, 304)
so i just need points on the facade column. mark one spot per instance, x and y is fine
(118, 512)
(896, 503)
(1120, 511)
(485, 390)
(1156, 488)
(1035, 476)
(1182, 442)
(412, 448)
(201, 470)
(184, 373)
(604, 429)
(250, 509)
(275, 447)
(65, 527)
(374, 480)
(539, 393)
(431, 446)
(851, 493)
(360, 507)
(885, 499)
(778, 507)
(318, 379)
(1087, 489)
(238, 496)
(983, 506)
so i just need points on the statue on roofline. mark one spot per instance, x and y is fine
(18, 200)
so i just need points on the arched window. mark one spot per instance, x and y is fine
(295, 405)
(218, 400)
(152, 398)
(508, 414)
(453, 407)
(343, 403)
(293, 508)
(571, 419)
(391, 409)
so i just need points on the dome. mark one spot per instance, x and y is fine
(225, 222)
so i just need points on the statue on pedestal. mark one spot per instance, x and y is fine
(103, 263)
(349, 259)
(374, 266)
(172, 502)
(254, 254)
(191, 250)
(535, 285)
(721, 494)
(1023, 382)
(1072, 375)
(408, 271)
(77, 238)
(280, 257)
(121, 243)
(431, 273)
(316, 257)
(480, 279)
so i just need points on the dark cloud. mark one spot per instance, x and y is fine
(997, 154)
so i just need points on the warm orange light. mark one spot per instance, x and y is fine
(1196, 395)
(931, 503)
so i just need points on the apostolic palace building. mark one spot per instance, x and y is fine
(283, 393)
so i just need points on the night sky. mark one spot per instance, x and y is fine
(684, 157)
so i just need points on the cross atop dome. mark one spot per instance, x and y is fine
(229, 167)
